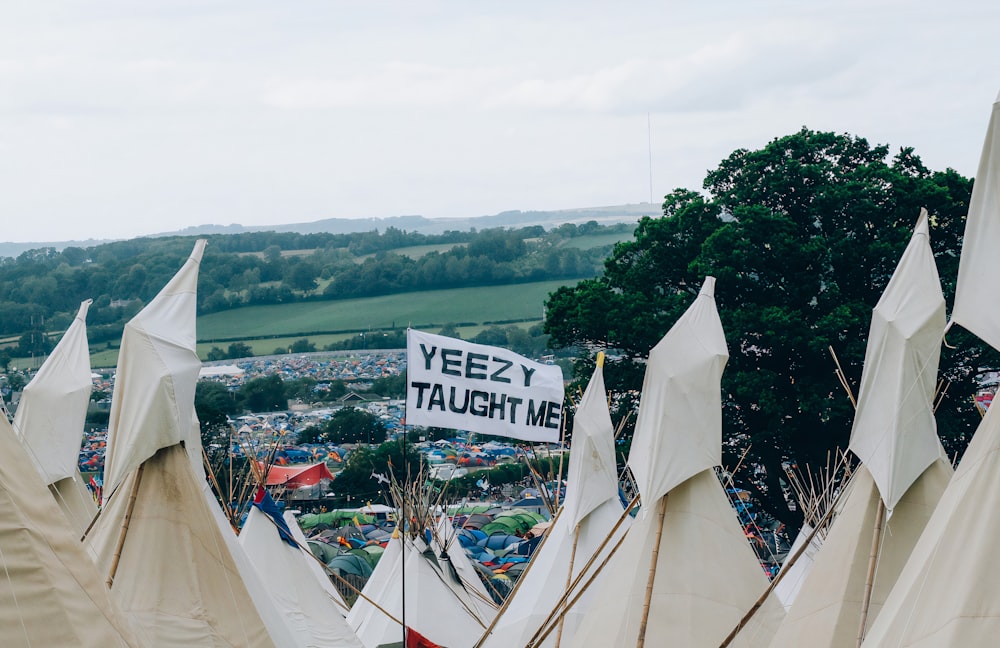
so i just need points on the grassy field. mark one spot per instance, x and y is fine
(597, 240)
(266, 328)
(436, 307)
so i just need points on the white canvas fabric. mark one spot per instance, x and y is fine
(312, 614)
(946, 593)
(827, 611)
(592, 475)
(371, 625)
(156, 377)
(787, 589)
(437, 605)
(589, 513)
(445, 541)
(894, 431)
(707, 577)
(53, 408)
(976, 276)
(678, 432)
(50, 592)
(76, 502)
(50, 420)
(315, 568)
(176, 577)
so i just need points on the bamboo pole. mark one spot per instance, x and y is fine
(781, 574)
(641, 642)
(872, 564)
(569, 577)
(125, 523)
(542, 633)
(517, 585)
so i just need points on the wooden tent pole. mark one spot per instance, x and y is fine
(652, 573)
(125, 523)
(569, 578)
(517, 585)
(872, 564)
(543, 632)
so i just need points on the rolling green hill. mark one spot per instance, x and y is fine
(433, 307)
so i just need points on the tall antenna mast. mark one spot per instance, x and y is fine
(649, 139)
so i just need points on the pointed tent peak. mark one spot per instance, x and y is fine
(976, 276)
(600, 359)
(708, 287)
(592, 474)
(894, 431)
(997, 100)
(678, 432)
(922, 228)
(84, 309)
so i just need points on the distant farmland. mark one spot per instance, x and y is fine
(436, 307)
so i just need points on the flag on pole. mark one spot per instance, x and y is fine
(490, 390)
(262, 500)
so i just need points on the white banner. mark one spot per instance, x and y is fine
(479, 388)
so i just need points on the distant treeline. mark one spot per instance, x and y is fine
(40, 290)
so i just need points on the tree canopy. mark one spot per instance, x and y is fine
(347, 425)
(802, 236)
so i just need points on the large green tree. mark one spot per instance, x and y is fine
(347, 425)
(802, 236)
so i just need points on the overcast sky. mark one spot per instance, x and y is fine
(120, 118)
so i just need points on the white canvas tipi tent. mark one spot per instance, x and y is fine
(590, 512)
(50, 421)
(419, 588)
(903, 471)
(685, 573)
(946, 593)
(312, 613)
(157, 541)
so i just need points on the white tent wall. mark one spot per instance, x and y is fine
(827, 611)
(176, 576)
(384, 585)
(445, 541)
(312, 614)
(590, 511)
(546, 579)
(50, 592)
(435, 606)
(707, 577)
(317, 570)
(946, 593)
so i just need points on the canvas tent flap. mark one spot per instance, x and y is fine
(976, 269)
(156, 377)
(592, 474)
(678, 432)
(894, 431)
(176, 576)
(51, 415)
(945, 595)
